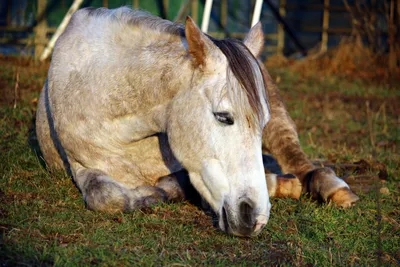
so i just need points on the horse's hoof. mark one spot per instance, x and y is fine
(344, 198)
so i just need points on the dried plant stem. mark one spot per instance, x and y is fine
(16, 87)
(370, 126)
(382, 110)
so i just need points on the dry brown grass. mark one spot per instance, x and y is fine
(351, 59)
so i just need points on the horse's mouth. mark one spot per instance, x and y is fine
(225, 222)
(241, 231)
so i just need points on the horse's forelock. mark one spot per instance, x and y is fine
(248, 73)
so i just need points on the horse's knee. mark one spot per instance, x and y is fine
(102, 193)
(172, 188)
(146, 196)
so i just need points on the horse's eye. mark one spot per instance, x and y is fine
(224, 117)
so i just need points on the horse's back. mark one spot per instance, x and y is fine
(98, 65)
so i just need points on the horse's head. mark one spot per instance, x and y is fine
(215, 128)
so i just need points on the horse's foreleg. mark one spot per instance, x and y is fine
(281, 140)
(102, 193)
(171, 185)
(283, 186)
(323, 183)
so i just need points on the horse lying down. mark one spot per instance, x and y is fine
(131, 99)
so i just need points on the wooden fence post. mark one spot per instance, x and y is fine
(281, 30)
(166, 8)
(392, 32)
(41, 28)
(9, 11)
(135, 4)
(325, 27)
(195, 11)
(224, 15)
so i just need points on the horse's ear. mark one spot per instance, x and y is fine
(255, 40)
(199, 44)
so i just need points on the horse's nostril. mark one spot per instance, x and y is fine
(247, 213)
(225, 219)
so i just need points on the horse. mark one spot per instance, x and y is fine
(131, 100)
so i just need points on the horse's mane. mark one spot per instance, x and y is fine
(242, 63)
(127, 16)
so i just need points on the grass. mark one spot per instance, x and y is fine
(43, 220)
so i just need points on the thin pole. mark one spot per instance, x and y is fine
(257, 12)
(60, 29)
(206, 16)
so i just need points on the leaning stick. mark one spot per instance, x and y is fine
(183, 11)
(49, 48)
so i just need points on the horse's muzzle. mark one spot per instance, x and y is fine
(246, 223)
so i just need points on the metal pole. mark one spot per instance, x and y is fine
(206, 16)
(257, 12)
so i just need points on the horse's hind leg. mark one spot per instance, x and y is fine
(102, 193)
(281, 140)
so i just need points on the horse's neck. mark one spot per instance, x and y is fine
(157, 67)
(158, 70)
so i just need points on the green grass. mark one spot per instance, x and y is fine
(43, 220)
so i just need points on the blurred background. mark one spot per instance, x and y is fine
(293, 28)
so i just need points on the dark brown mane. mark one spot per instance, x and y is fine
(239, 59)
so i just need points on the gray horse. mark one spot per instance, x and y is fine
(131, 99)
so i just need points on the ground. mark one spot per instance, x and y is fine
(352, 126)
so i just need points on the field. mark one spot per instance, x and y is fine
(353, 126)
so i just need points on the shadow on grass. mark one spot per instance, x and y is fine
(12, 255)
(34, 143)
